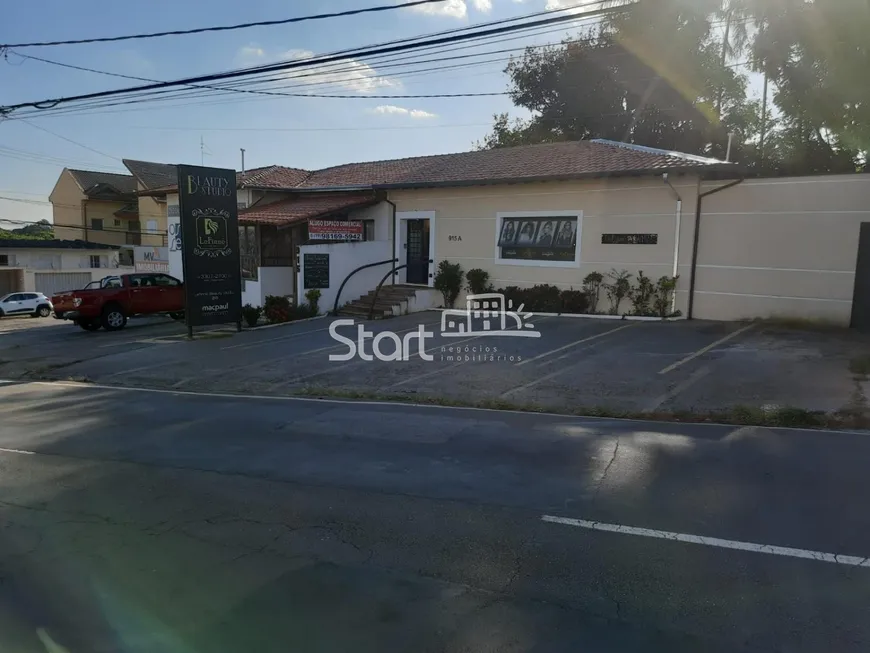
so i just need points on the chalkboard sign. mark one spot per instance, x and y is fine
(316, 271)
(629, 239)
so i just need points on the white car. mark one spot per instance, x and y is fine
(25, 303)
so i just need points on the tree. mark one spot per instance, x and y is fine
(672, 74)
(651, 76)
(42, 230)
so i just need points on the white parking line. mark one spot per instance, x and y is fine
(251, 345)
(573, 344)
(851, 561)
(678, 389)
(445, 368)
(19, 451)
(704, 350)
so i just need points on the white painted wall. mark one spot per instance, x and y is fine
(382, 214)
(176, 266)
(276, 281)
(252, 293)
(58, 259)
(343, 259)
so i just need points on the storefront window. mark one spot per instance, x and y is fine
(539, 238)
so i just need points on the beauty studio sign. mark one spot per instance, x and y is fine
(210, 245)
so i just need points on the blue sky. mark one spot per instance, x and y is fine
(428, 126)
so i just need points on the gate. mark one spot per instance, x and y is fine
(861, 296)
(51, 283)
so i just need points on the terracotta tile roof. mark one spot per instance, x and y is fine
(272, 177)
(547, 161)
(89, 180)
(528, 162)
(152, 175)
(301, 208)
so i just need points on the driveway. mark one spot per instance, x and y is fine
(576, 365)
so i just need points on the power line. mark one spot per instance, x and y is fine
(69, 140)
(223, 28)
(290, 65)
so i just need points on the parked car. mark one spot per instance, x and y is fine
(109, 302)
(25, 303)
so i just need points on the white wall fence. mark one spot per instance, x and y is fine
(344, 258)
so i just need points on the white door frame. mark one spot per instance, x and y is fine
(399, 247)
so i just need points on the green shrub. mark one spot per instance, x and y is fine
(544, 298)
(478, 281)
(303, 311)
(592, 289)
(277, 309)
(641, 294)
(449, 282)
(251, 314)
(617, 289)
(574, 302)
(663, 298)
(313, 297)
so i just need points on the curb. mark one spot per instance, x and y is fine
(283, 324)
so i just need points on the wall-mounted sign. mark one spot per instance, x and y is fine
(210, 245)
(151, 259)
(538, 239)
(629, 239)
(315, 271)
(335, 230)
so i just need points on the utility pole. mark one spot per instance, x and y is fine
(243, 158)
(763, 120)
(201, 151)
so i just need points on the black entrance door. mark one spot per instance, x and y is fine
(861, 297)
(418, 251)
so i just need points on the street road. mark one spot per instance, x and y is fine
(137, 520)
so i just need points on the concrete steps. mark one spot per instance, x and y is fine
(392, 300)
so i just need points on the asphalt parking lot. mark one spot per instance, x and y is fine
(575, 363)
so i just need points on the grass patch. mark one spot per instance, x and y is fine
(217, 335)
(780, 416)
(800, 323)
(860, 365)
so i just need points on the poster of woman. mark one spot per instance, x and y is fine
(527, 233)
(508, 233)
(545, 236)
(565, 234)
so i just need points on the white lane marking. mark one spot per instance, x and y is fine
(250, 345)
(574, 344)
(445, 368)
(141, 369)
(21, 451)
(704, 350)
(410, 404)
(678, 389)
(851, 561)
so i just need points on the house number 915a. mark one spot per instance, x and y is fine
(451, 237)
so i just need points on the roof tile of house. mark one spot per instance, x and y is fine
(272, 177)
(88, 179)
(25, 243)
(544, 161)
(152, 175)
(299, 209)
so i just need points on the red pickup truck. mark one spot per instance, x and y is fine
(109, 302)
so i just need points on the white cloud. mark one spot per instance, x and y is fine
(351, 75)
(453, 8)
(393, 110)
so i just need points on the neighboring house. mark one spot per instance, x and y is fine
(96, 207)
(554, 213)
(152, 207)
(52, 266)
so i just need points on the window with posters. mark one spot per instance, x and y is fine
(539, 238)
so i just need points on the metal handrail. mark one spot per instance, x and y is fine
(378, 289)
(347, 278)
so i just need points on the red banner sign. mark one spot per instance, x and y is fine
(335, 230)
